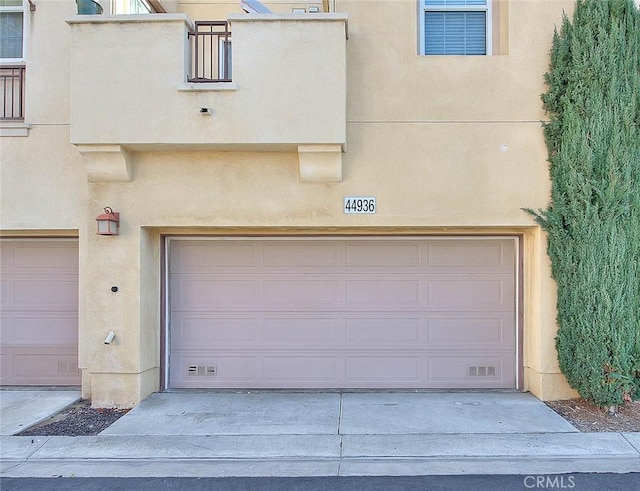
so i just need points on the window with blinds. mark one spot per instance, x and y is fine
(455, 27)
(11, 30)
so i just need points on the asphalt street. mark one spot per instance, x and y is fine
(577, 482)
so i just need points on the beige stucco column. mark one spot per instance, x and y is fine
(119, 285)
(542, 374)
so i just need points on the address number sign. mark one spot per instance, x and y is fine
(359, 204)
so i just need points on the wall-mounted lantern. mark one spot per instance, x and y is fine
(108, 222)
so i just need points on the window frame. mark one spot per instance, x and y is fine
(423, 8)
(124, 7)
(20, 9)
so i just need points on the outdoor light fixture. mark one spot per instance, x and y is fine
(108, 222)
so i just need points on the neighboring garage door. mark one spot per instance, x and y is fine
(316, 313)
(39, 312)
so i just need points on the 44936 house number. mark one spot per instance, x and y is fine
(359, 204)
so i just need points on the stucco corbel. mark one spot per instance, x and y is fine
(320, 163)
(107, 162)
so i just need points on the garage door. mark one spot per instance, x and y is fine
(39, 305)
(386, 313)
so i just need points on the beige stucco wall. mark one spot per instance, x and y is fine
(43, 183)
(42, 178)
(388, 80)
(448, 145)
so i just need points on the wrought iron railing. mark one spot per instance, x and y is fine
(210, 43)
(12, 85)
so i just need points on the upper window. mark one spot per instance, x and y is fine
(11, 30)
(130, 7)
(455, 27)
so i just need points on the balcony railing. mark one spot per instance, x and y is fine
(210, 52)
(12, 85)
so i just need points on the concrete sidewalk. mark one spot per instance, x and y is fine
(20, 409)
(327, 434)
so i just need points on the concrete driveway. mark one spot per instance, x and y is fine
(22, 408)
(322, 413)
(211, 434)
(297, 413)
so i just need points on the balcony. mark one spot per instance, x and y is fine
(137, 84)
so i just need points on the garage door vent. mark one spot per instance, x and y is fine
(67, 367)
(201, 370)
(482, 371)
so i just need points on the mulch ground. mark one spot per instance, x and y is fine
(587, 417)
(79, 419)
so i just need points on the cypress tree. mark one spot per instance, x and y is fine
(593, 219)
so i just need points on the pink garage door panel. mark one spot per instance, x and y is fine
(39, 303)
(331, 313)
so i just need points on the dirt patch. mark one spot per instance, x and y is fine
(79, 419)
(587, 417)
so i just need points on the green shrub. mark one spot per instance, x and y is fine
(593, 219)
